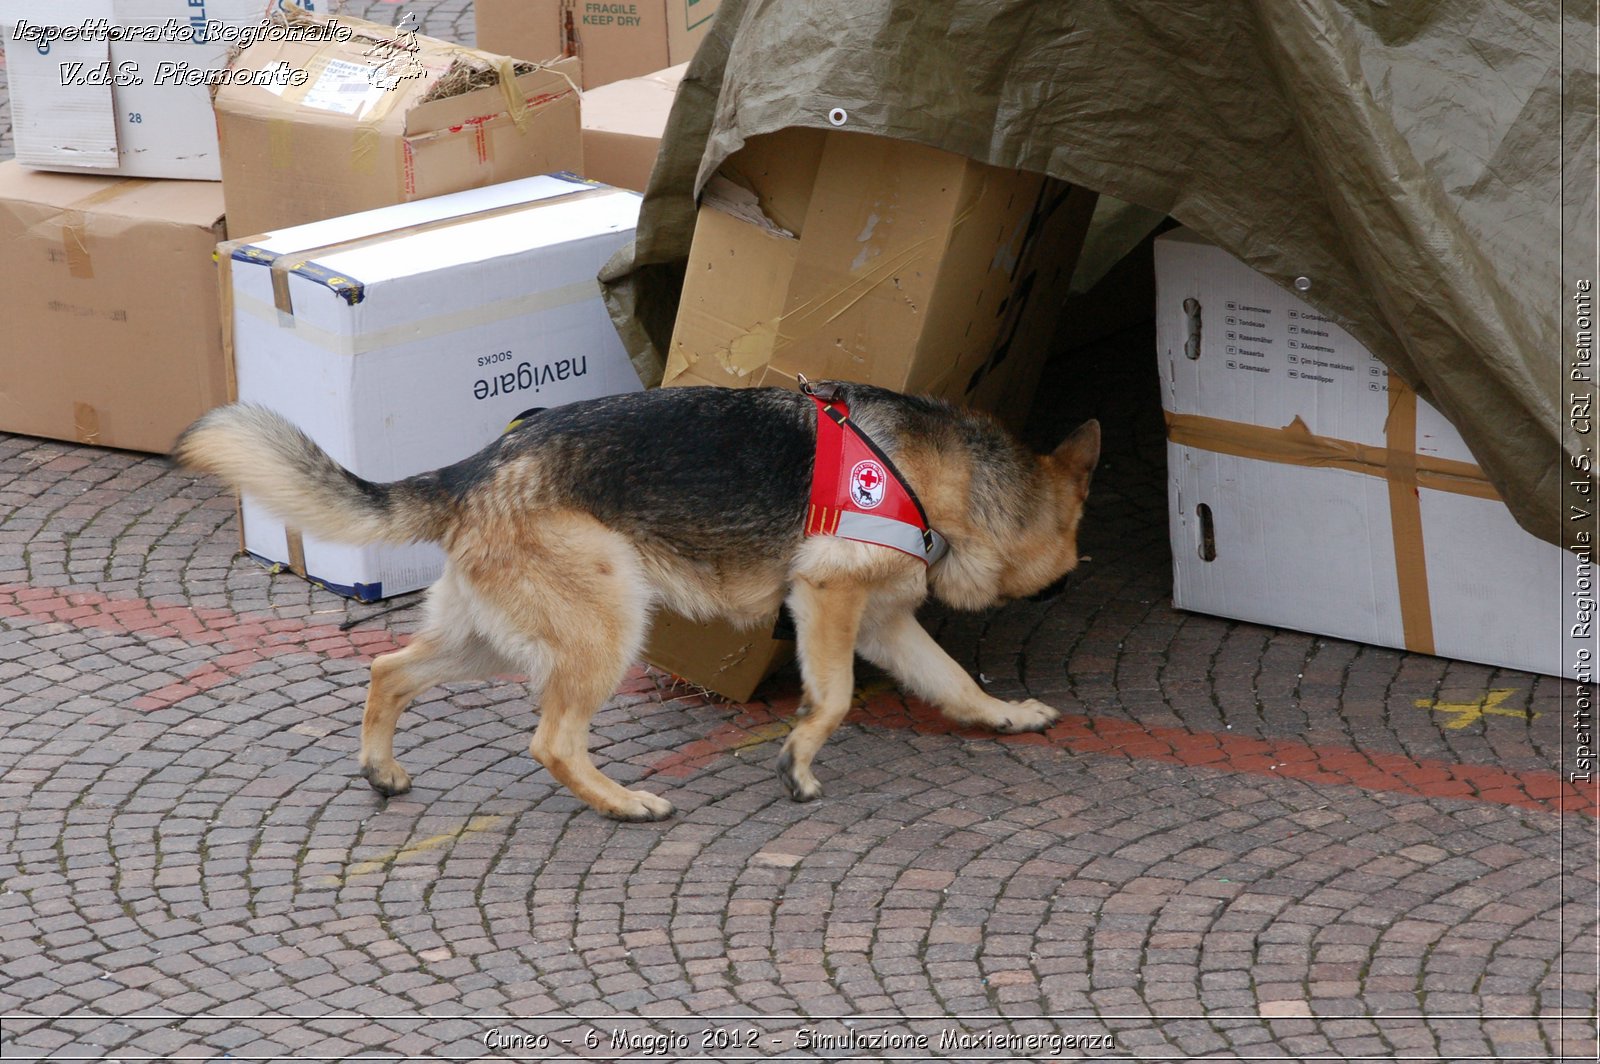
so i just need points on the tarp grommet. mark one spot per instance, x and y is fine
(1302, 284)
(838, 116)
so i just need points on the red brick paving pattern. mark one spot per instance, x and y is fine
(243, 642)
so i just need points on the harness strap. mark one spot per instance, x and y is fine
(856, 491)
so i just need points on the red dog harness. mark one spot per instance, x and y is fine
(856, 492)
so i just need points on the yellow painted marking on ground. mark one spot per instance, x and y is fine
(378, 864)
(765, 733)
(872, 688)
(1470, 712)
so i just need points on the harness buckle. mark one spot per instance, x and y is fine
(827, 391)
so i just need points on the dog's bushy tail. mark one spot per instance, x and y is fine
(261, 455)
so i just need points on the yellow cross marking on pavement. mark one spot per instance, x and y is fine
(1469, 712)
(378, 864)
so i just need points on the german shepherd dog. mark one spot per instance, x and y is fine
(565, 533)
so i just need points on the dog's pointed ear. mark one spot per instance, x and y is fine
(1080, 452)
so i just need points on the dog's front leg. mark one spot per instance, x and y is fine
(827, 616)
(560, 743)
(903, 647)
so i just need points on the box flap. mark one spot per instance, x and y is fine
(527, 29)
(539, 86)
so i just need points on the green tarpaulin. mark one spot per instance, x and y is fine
(1406, 158)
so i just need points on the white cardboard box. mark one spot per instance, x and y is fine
(1309, 489)
(111, 86)
(406, 338)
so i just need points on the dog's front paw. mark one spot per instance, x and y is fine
(641, 806)
(1029, 716)
(798, 781)
(387, 778)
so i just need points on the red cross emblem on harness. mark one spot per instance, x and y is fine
(867, 483)
(857, 493)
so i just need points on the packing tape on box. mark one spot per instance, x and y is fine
(426, 329)
(304, 261)
(280, 129)
(86, 423)
(368, 137)
(74, 223)
(516, 106)
(295, 543)
(751, 351)
(1397, 462)
(505, 67)
(1405, 515)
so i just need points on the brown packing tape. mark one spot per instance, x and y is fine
(86, 423)
(280, 287)
(75, 223)
(1397, 462)
(1295, 444)
(516, 106)
(364, 146)
(280, 130)
(224, 257)
(821, 309)
(1405, 512)
(75, 244)
(296, 544)
(280, 142)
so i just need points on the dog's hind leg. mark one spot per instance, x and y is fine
(898, 643)
(574, 593)
(446, 649)
(827, 617)
(579, 684)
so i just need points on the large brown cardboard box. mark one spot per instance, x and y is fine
(385, 117)
(112, 323)
(847, 256)
(622, 124)
(615, 39)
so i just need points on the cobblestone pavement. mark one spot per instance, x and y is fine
(1240, 843)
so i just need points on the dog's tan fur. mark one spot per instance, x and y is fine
(538, 586)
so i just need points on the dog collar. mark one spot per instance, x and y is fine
(857, 493)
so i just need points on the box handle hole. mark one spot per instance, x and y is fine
(1208, 534)
(1191, 345)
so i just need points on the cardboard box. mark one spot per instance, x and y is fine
(852, 257)
(1311, 490)
(113, 328)
(376, 121)
(406, 338)
(622, 125)
(615, 40)
(116, 86)
(527, 29)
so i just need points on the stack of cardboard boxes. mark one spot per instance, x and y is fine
(615, 39)
(398, 277)
(399, 280)
(147, 132)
